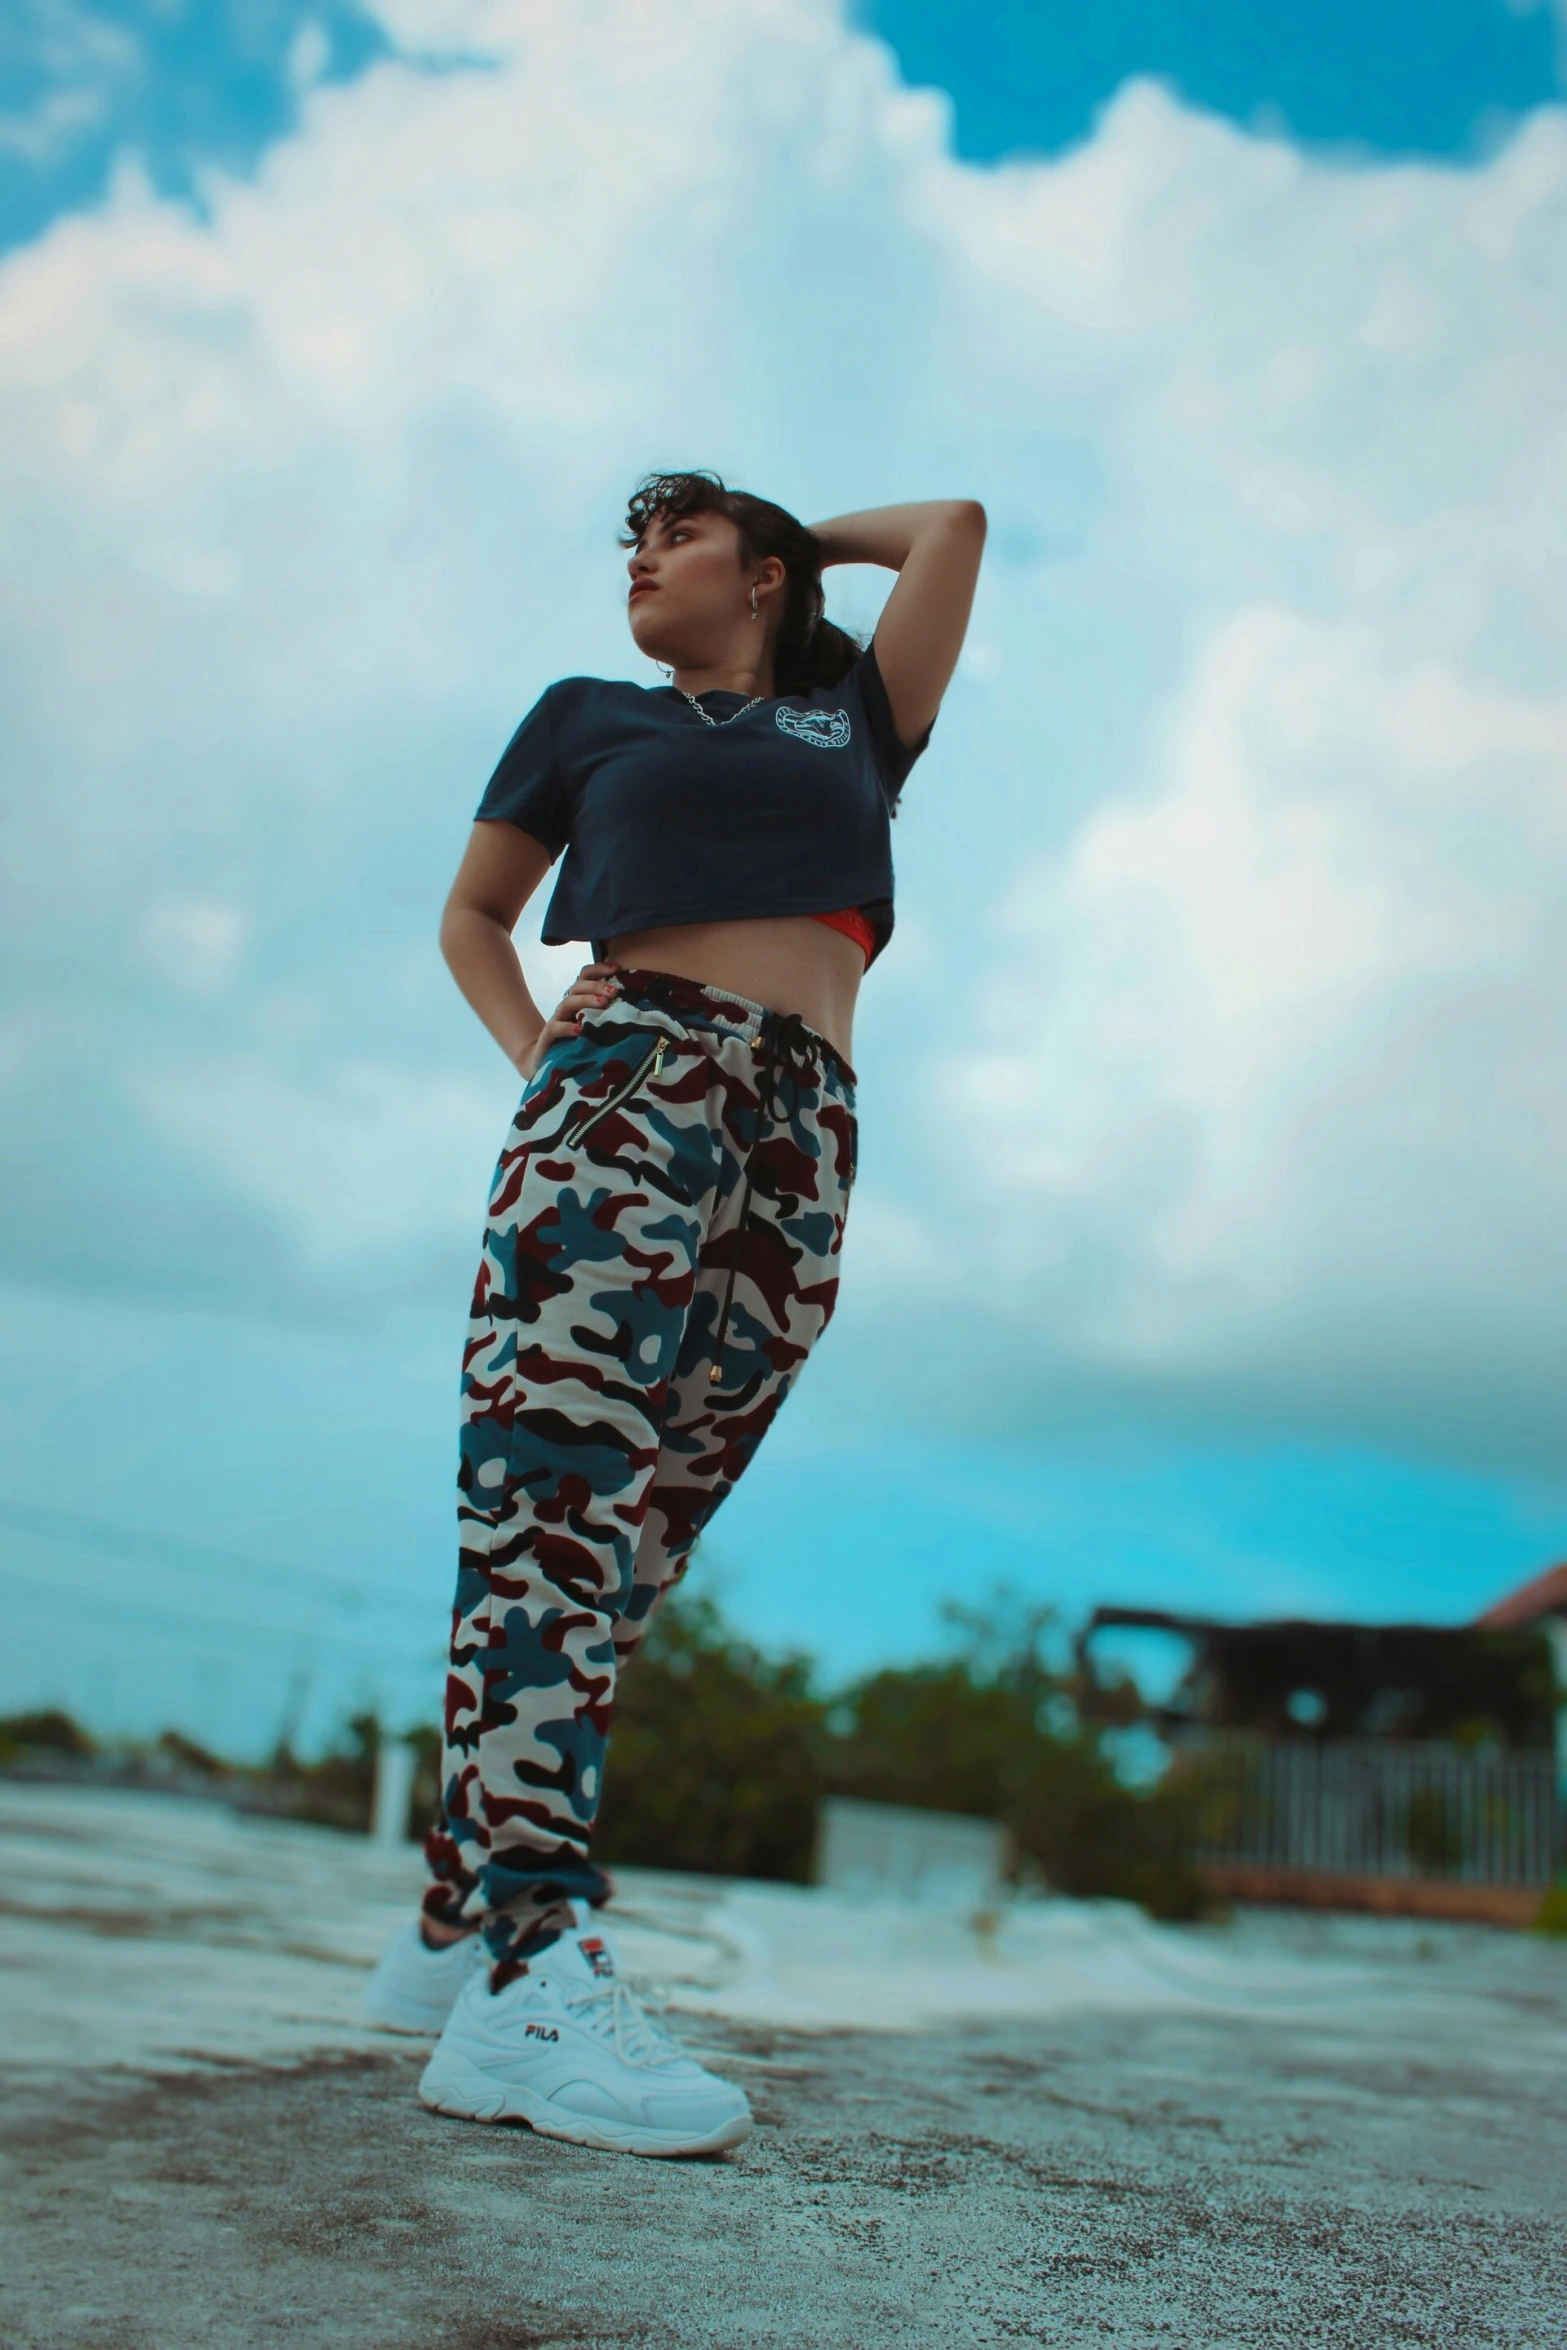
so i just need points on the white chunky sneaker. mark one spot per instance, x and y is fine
(568, 2049)
(413, 1987)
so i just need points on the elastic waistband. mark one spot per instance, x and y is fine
(734, 1015)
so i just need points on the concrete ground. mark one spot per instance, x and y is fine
(1083, 2130)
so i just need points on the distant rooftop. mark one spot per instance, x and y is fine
(1531, 1602)
(1544, 1595)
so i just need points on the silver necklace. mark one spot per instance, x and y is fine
(707, 717)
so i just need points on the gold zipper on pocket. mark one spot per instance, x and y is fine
(649, 1065)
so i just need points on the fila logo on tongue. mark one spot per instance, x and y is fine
(596, 1955)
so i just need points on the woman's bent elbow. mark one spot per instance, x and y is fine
(455, 923)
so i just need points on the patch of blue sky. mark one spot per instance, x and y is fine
(854, 1561)
(250, 1522)
(180, 85)
(1405, 78)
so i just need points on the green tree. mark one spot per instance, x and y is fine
(721, 1756)
(48, 1732)
(713, 1763)
(995, 1731)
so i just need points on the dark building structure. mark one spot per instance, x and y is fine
(1411, 1767)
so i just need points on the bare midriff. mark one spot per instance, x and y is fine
(789, 962)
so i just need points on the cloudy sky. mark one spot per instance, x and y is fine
(1208, 1248)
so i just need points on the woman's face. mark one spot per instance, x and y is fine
(689, 597)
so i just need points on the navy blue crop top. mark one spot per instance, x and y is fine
(665, 820)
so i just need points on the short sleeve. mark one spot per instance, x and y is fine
(527, 788)
(893, 757)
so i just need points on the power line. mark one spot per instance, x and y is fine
(173, 1553)
(252, 1627)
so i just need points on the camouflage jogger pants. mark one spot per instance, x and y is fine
(661, 1255)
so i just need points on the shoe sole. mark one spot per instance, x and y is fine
(469, 2095)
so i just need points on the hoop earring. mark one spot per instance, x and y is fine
(755, 615)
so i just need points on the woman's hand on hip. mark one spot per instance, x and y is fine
(595, 985)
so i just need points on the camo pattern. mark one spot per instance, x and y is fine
(596, 1442)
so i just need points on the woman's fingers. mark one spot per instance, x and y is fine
(594, 986)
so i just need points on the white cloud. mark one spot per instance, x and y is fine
(194, 944)
(365, 1161)
(309, 54)
(1227, 1035)
(89, 63)
(1286, 1029)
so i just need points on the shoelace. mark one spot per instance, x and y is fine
(787, 1051)
(613, 2011)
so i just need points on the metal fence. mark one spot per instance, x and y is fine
(1376, 1807)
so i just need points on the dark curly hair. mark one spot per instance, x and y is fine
(810, 650)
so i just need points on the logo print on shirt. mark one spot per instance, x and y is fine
(825, 730)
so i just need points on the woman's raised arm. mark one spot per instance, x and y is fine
(935, 548)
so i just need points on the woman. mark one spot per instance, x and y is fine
(664, 1228)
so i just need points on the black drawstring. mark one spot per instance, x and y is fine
(787, 1049)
